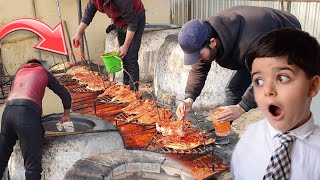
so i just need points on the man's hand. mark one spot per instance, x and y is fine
(230, 113)
(184, 108)
(123, 51)
(66, 116)
(124, 48)
(76, 40)
(64, 119)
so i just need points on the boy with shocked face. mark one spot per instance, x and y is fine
(285, 69)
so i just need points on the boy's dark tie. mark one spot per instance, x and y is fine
(279, 165)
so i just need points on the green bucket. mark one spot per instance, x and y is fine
(112, 61)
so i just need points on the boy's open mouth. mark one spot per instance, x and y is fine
(274, 110)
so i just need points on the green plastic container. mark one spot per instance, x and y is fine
(112, 61)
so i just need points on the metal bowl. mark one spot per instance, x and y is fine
(79, 125)
(82, 123)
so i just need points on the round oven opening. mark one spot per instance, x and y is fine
(128, 165)
(50, 124)
(81, 123)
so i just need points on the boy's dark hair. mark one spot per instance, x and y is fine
(33, 61)
(298, 46)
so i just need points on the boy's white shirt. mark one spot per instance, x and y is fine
(253, 151)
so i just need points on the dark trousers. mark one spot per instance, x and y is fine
(238, 84)
(130, 61)
(24, 124)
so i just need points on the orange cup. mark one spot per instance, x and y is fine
(222, 129)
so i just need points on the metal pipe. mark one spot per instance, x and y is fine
(69, 40)
(87, 48)
(1, 64)
(38, 38)
(171, 12)
(60, 18)
(189, 9)
(79, 20)
(59, 12)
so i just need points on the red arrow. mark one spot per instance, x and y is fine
(52, 40)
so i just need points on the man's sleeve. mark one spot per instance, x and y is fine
(89, 13)
(60, 90)
(248, 102)
(128, 14)
(196, 79)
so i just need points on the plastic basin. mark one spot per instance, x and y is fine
(112, 61)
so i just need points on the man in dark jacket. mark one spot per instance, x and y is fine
(225, 39)
(129, 17)
(21, 118)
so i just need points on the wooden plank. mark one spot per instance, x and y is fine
(77, 99)
(200, 166)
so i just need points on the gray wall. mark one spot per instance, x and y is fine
(308, 13)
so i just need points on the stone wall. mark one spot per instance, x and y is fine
(126, 164)
(60, 153)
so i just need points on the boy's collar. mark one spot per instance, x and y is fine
(301, 132)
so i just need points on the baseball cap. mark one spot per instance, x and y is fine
(191, 38)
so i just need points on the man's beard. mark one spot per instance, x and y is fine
(213, 53)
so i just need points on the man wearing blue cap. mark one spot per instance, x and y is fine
(224, 38)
